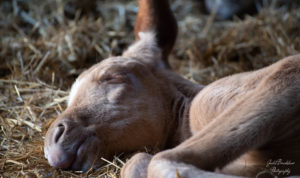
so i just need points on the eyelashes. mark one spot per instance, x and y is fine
(114, 78)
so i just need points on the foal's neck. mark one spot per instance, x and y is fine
(180, 94)
(180, 110)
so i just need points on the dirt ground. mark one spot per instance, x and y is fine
(46, 44)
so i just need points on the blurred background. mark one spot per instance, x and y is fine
(46, 44)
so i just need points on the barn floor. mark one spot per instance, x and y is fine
(46, 44)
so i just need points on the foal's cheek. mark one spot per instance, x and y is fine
(115, 93)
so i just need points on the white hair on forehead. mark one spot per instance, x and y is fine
(76, 85)
(74, 90)
(145, 49)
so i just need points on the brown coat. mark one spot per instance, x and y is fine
(237, 125)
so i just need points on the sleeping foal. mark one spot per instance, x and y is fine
(237, 125)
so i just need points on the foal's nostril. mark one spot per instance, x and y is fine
(59, 130)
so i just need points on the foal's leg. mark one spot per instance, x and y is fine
(137, 166)
(254, 120)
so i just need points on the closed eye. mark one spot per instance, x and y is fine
(114, 78)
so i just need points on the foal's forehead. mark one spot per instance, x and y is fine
(110, 64)
(86, 78)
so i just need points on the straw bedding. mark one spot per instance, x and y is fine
(46, 44)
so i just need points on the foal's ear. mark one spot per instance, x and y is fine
(146, 50)
(155, 27)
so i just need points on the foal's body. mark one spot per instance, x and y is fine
(238, 125)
